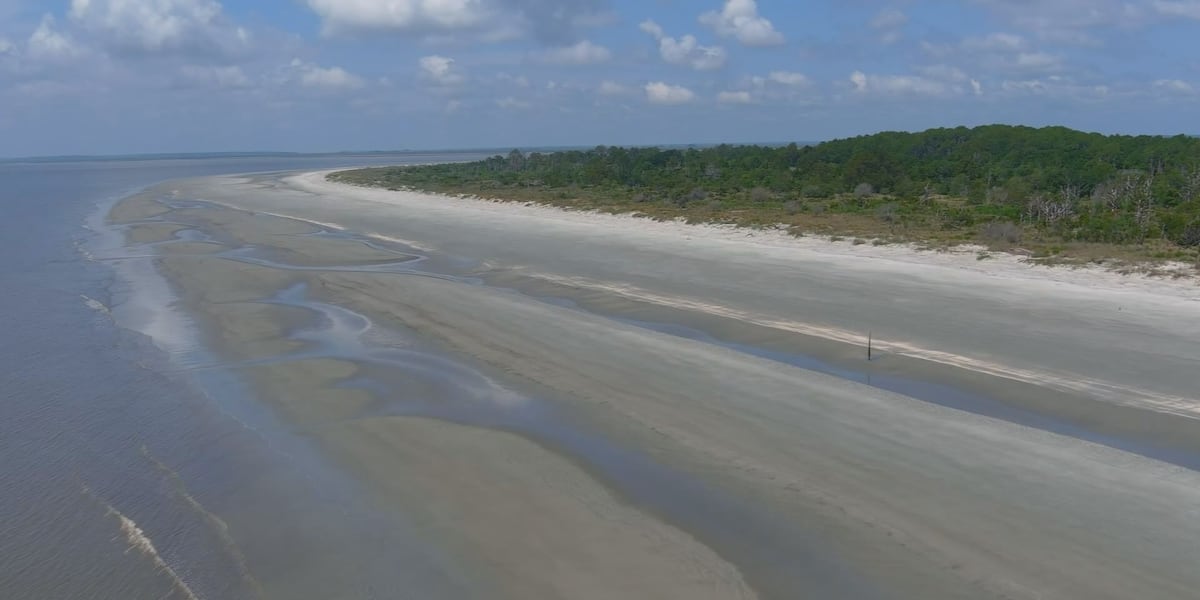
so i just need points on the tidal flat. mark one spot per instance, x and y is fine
(556, 406)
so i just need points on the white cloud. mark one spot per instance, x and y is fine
(1175, 86)
(582, 53)
(229, 77)
(510, 103)
(1037, 61)
(739, 19)
(662, 93)
(995, 42)
(859, 80)
(330, 78)
(612, 88)
(889, 23)
(900, 85)
(943, 73)
(976, 87)
(440, 70)
(47, 43)
(1056, 86)
(1189, 9)
(778, 86)
(1033, 86)
(788, 78)
(652, 28)
(738, 97)
(520, 81)
(686, 50)
(1070, 21)
(6, 46)
(419, 15)
(552, 21)
(46, 89)
(158, 25)
(998, 51)
(889, 18)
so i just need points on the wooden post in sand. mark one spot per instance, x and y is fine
(869, 341)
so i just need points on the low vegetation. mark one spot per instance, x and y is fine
(1053, 193)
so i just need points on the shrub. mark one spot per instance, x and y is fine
(791, 207)
(1003, 232)
(813, 191)
(760, 195)
(1190, 236)
(863, 190)
(888, 213)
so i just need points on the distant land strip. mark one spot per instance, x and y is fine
(1054, 194)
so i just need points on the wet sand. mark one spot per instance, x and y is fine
(587, 449)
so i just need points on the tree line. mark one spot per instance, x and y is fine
(1077, 185)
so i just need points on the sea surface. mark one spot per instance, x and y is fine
(114, 464)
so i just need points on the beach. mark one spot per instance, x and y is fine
(569, 404)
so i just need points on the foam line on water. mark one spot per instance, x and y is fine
(140, 542)
(95, 305)
(218, 525)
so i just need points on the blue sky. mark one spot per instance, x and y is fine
(122, 76)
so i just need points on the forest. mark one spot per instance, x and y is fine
(999, 184)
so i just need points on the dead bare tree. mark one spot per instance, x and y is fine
(1070, 195)
(1117, 193)
(1034, 208)
(1143, 206)
(1042, 209)
(996, 195)
(1190, 190)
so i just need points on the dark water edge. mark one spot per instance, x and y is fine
(116, 465)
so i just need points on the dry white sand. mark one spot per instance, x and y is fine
(774, 242)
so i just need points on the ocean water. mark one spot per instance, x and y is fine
(113, 465)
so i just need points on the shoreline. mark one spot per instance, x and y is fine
(1146, 265)
(963, 256)
(836, 456)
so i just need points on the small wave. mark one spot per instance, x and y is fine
(95, 305)
(218, 525)
(139, 541)
(396, 240)
(331, 226)
(81, 248)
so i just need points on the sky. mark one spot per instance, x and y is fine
(142, 76)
